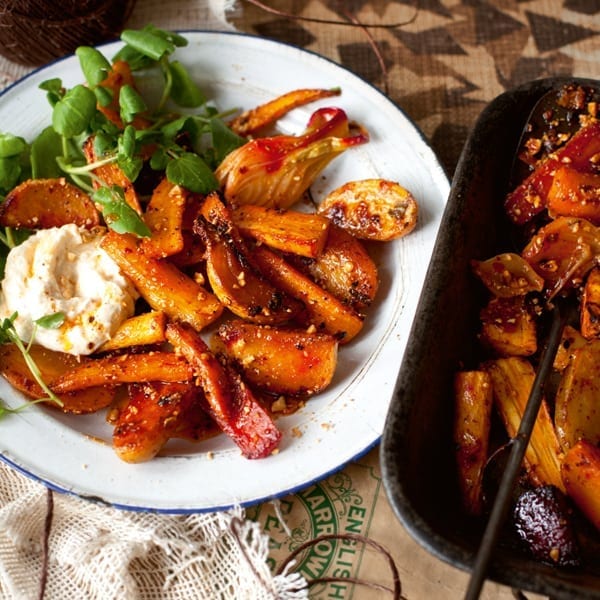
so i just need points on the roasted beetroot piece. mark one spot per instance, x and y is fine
(543, 521)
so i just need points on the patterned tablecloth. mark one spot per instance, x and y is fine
(441, 61)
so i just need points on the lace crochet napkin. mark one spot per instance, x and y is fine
(95, 552)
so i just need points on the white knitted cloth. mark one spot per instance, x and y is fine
(97, 553)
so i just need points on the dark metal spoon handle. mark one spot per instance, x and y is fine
(519, 445)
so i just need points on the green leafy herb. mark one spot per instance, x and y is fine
(184, 91)
(44, 150)
(118, 215)
(73, 113)
(53, 321)
(130, 103)
(14, 161)
(93, 64)
(192, 173)
(148, 43)
(8, 334)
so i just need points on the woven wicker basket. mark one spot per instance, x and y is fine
(34, 32)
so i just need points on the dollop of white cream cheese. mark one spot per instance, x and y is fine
(64, 270)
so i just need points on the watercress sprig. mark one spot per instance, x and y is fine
(8, 334)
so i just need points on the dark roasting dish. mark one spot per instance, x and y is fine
(417, 450)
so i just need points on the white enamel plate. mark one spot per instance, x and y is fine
(73, 454)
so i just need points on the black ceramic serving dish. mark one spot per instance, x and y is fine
(417, 454)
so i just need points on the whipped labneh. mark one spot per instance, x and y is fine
(64, 270)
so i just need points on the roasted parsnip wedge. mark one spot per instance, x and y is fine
(581, 474)
(253, 120)
(278, 360)
(304, 234)
(590, 306)
(345, 269)
(164, 217)
(228, 400)
(51, 365)
(575, 194)
(153, 413)
(372, 209)
(508, 327)
(239, 286)
(576, 410)
(145, 329)
(322, 309)
(123, 368)
(473, 401)
(161, 284)
(512, 379)
(46, 203)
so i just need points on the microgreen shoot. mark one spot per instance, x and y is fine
(8, 334)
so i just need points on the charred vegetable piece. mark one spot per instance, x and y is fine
(577, 403)
(124, 368)
(277, 360)
(322, 309)
(290, 231)
(192, 252)
(233, 279)
(51, 365)
(276, 171)
(473, 400)
(372, 209)
(543, 521)
(153, 413)
(161, 284)
(141, 330)
(164, 217)
(581, 474)
(507, 275)
(571, 340)
(345, 269)
(229, 401)
(590, 306)
(508, 327)
(253, 120)
(530, 198)
(512, 380)
(562, 252)
(575, 194)
(46, 203)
